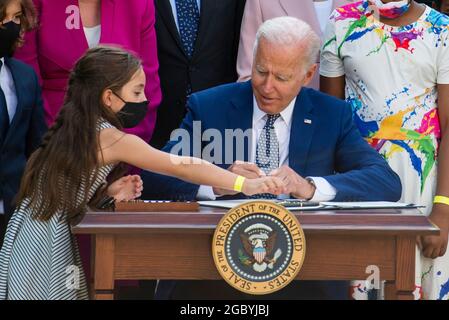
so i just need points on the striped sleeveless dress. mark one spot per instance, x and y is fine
(40, 260)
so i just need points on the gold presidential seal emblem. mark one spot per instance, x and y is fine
(258, 247)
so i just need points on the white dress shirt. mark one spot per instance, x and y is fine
(175, 12)
(324, 190)
(9, 90)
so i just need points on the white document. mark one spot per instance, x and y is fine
(369, 204)
(228, 204)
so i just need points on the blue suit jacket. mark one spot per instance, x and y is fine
(24, 133)
(330, 146)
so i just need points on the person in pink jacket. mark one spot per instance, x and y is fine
(314, 12)
(67, 28)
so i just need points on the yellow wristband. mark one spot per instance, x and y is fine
(441, 199)
(238, 184)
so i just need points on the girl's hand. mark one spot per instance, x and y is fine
(126, 188)
(273, 185)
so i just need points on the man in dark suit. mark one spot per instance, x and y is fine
(305, 137)
(197, 49)
(22, 126)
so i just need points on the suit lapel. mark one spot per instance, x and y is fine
(301, 133)
(206, 16)
(18, 85)
(165, 11)
(240, 116)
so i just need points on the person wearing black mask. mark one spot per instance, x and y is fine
(21, 113)
(132, 113)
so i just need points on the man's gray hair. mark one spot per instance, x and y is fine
(289, 31)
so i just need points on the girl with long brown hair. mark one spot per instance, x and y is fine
(105, 93)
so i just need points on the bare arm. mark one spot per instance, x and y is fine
(333, 86)
(133, 150)
(435, 246)
(332, 69)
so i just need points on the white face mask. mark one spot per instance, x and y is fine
(391, 10)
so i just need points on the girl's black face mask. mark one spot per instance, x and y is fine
(9, 34)
(132, 113)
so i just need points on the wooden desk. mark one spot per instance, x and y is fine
(173, 245)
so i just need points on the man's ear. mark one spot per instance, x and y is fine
(310, 73)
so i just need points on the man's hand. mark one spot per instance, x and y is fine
(295, 185)
(272, 185)
(435, 246)
(246, 169)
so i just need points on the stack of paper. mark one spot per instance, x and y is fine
(228, 204)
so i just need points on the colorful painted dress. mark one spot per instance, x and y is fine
(391, 82)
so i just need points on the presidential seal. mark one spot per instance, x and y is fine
(258, 247)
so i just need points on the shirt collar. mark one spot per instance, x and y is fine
(286, 114)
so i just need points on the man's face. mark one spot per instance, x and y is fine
(278, 74)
